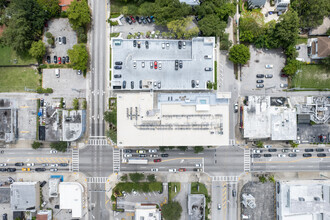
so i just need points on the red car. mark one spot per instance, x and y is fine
(59, 60)
(155, 64)
(182, 169)
(132, 18)
(157, 160)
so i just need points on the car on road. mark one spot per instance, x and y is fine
(153, 155)
(53, 151)
(269, 66)
(234, 192)
(11, 169)
(198, 169)
(285, 150)
(3, 169)
(26, 169)
(307, 155)
(128, 151)
(255, 155)
(140, 151)
(236, 107)
(309, 150)
(157, 160)
(30, 164)
(260, 81)
(260, 75)
(54, 165)
(3, 164)
(53, 170)
(20, 164)
(40, 169)
(281, 155)
(198, 165)
(267, 146)
(269, 76)
(208, 68)
(172, 170)
(117, 76)
(164, 155)
(152, 151)
(319, 150)
(154, 170)
(219, 206)
(267, 155)
(128, 155)
(45, 164)
(272, 150)
(292, 155)
(63, 164)
(43, 183)
(295, 150)
(257, 151)
(260, 85)
(142, 155)
(321, 155)
(182, 170)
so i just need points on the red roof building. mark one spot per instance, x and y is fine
(64, 4)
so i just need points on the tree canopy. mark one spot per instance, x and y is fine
(311, 12)
(38, 50)
(51, 7)
(170, 10)
(287, 29)
(24, 20)
(60, 146)
(79, 14)
(136, 177)
(181, 27)
(239, 54)
(36, 145)
(172, 210)
(78, 56)
(211, 25)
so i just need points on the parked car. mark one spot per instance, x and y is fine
(295, 150)
(11, 169)
(283, 85)
(53, 151)
(193, 84)
(127, 151)
(285, 150)
(234, 192)
(118, 63)
(117, 76)
(64, 40)
(180, 44)
(219, 206)
(159, 85)
(321, 155)
(20, 164)
(63, 164)
(48, 59)
(26, 169)
(176, 64)
(30, 164)
(118, 67)
(257, 151)
(157, 160)
(148, 19)
(182, 170)
(138, 19)
(45, 164)
(155, 64)
(140, 84)
(159, 65)
(267, 155)
(53, 170)
(260, 81)
(180, 64)
(164, 155)
(272, 150)
(260, 85)
(309, 150)
(255, 155)
(134, 43)
(128, 20)
(43, 183)
(4, 216)
(40, 169)
(140, 151)
(292, 155)
(124, 84)
(236, 107)
(152, 151)
(142, 155)
(154, 170)
(60, 40)
(67, 59)
(307, 155)
(281, 155)
(59, 60)
(79, 72)
(55, 59)
(260, 75)
(208, 68)
(172, 170)
(3, 164)
(54, 165)
(269, 66)
(134, 64)
(269, 76)
(3, 169)
(319, 149)
(132, 18)
(128, 155)
(267, 146)
(132, 85)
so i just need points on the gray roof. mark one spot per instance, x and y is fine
(257, 3)
(23, 196)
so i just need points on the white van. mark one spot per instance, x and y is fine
(172, 170)
(57, 73)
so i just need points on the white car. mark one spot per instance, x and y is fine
(172, 170)
(269, 66)
(197, 83)
(53, 170)
(60, 40)
(153, 155)
(163, 45)
(281, 155)
(134, 64)
(257, 151)
(143, 64)
(134, 192)
(295, 150)
(3, 164)
(127, 155)
(30, 164)
(54, 165)
(283, 85)
(198, 165)
(53, 151)
(152, 151)
(159, 65)
(154, 169)
(268, 146)
(167, 45)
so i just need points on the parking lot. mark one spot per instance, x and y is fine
(264, 198)
(60, 27)
(310, 133)
(139, 64)
(257, 65)
(69, 83)
(303, 52)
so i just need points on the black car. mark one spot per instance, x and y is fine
(67, 59)
(128, 151)
(55, 59)
(292, 155)
(128, 20)
(124, 84)
(147, 44)
(134, 43)
(309, 150)
(255, 155)
(180, 64)
(307, 155)
(118, 63)
(43, 183)
(132, 84)
(272, 150)
(180, 44)
(117, 75)
(20, 164)
(3, 169)
(176, 64)
(4, 216)
(164, 155)
(140, 84)
(63, 60)
(64, 40)
(260, 75)
(138, 19)
(40, 169)
(142, 155)
(260, 81)
(319, 149)
(42, 102)
(193, 84)
(48, 59)
(321, 155)
(118, 67)
(11, 169)
(63, 164)
(267, 155)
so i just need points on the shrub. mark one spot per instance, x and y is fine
(124, 178)
(36, 145)
(198, 149)
(84, 105)
(113, 23)
(136, 177)
(42, 90)
(48, 35)
(75, 104)
(151, 178)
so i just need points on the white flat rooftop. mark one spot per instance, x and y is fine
(172, 119)
(71, 197)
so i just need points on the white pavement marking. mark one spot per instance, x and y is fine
(247, 160)
(116, 160)
(75, 159)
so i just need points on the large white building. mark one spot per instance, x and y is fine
(71, 194)
(172, 119)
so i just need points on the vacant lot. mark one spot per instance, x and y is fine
(15, 79)
(9, 57)
(312, 76)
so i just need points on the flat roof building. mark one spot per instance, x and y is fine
(196, 206)
(172, 119)
(8, 120)
(303, 200)
(71, 197)
(263, 120)
(147, 212)
(53, 187)
(25, 196)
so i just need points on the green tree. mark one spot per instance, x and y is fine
(287, 29)
(311, 12)
(75, 104)
(271, 178)
(183, 148)
(151, 178)
(84, 105)
(262, 179)
(211, 25)
(291, 52)
(51, 7)
(170, 10)
(172, 210)
(79, 56)
(60, 146)
(36, 145)
(50, 41)
(162, 149)
(198, 149)
(239, 54)
(38, 50)
(326, 62)
(293, 144)
(291, 67)
(260, 144)
(24, 20)
(226, 10)
(181, 27)
(147, 8)
(79, 14)
(136, 177)
(124, 178)
(111, 116)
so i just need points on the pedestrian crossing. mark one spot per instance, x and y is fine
(98, 142)
(247, 160)
(225, 178)
(75, 159)
(97, 179)
(116, 160)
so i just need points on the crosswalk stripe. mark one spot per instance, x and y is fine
(247, 160)
(97, 179)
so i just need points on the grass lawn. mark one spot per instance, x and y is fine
(117, 7)
(302, 40)
(14, 79)
(8, 55)
(202, 188)
(312, 76)
(171, 190)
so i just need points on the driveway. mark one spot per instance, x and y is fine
(182, 198)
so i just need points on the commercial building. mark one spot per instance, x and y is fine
(162, 64)
(316, 109)
(53, 184)
(266, 120)
(196, 206)
(8, 121)
(73, 124)
(25, 196)
(71, 197)
(303, 200)
(172, 119)
(147, 212)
